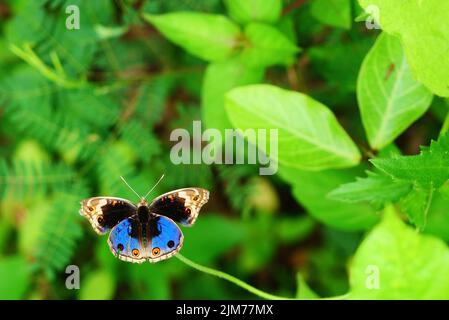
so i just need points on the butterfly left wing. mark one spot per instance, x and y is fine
(155, 239)
(182, 205)
(104, 213)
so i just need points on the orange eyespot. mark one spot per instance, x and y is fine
(135, 252)
(156, 251)
(90, 208)
(195, 198)
(100, 219)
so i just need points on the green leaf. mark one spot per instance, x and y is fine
(407, 265)
(430, 169)
(303, 290)
(390, 99)
(309, 135)
(245, 11)
(375, 188)
(220, 77)
(424, 33)
(311, 188)
(267, 46)
(438, 216)
(208, 36)
(417, 204)
(15, 277)
(60, 231)
(336, 13)
(98, 285)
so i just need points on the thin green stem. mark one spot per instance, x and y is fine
(27, 54)
(230, 278)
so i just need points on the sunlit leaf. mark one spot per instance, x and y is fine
(210, 37)
(390, 99)
(245, 11)
(309, 135)
(424, 33)
(396, 262)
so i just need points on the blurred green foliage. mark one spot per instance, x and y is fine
(80, 108)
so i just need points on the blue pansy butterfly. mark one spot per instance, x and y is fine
(145, 232)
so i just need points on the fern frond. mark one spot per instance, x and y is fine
(24, 179)
(151, 98)
(118, 160)
(55, 130)
(89, 107)
(60, 232)
(142, 140)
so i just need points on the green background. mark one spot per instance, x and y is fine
(80, 108)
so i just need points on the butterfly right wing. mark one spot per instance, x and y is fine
(104, 213)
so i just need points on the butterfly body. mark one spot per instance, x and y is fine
(145, 232)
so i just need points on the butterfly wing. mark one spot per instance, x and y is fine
(165, 238)
(135, 241)
(104, 213)
(182, 205)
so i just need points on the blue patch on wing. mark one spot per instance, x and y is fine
(124, 239)
(169, 235)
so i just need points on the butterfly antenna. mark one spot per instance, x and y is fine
(121, 177)
(154, 186)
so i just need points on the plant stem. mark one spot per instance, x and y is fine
(230, 278)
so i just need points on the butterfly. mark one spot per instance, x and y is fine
(146, 231)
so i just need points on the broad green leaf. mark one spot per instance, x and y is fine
(208, 36)
(336, 13)
(430, 169)
(375, 188)
(416, 204)
(267, 46)
(303, 290)
(309, 135)
(245, 11)
(98, 285)
(311, 188)
(15, 277)
(438, 215)
(390, 99)
(220, 77)
(424, 33)
(396, 262)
